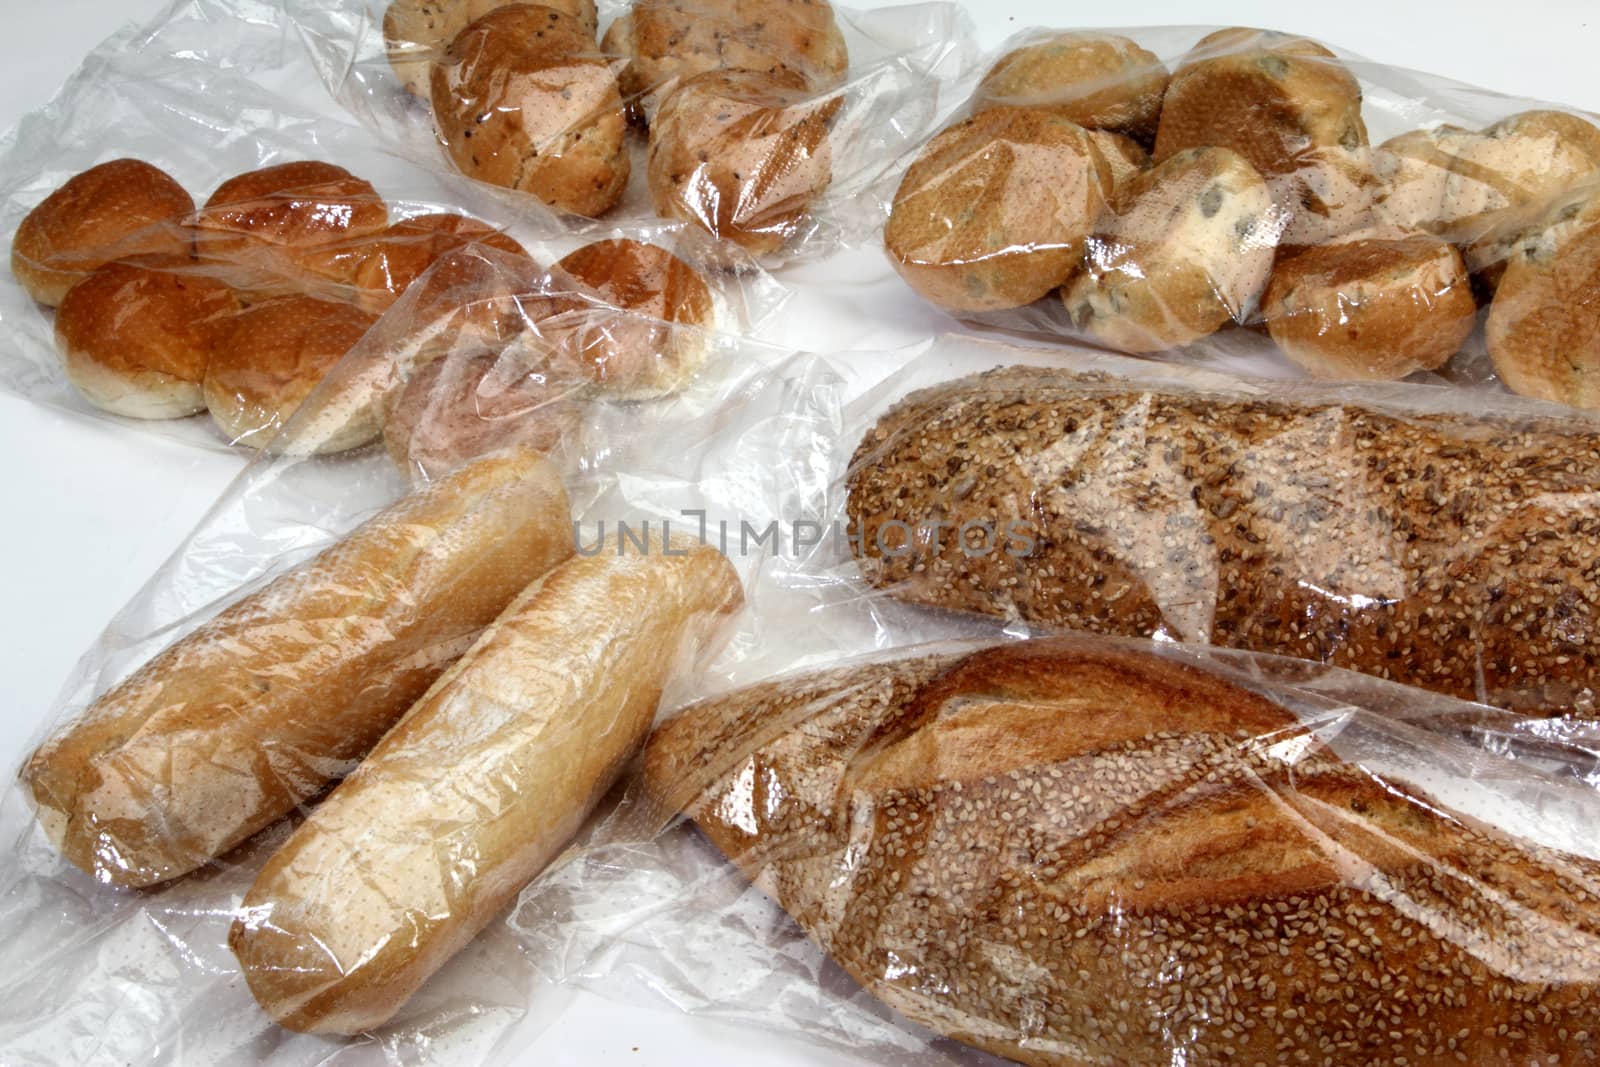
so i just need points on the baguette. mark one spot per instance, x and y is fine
(476, 790)
(1070, 854)
(1456, 553)
(257, 711)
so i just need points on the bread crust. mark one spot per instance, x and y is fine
(233, 726)
(403, 253)
(1452, 553)
(1099, 81)
(1065, 853)
(1125, 158)
(416, 32)
(1544, 325)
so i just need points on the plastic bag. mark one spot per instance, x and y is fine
(1259, 201)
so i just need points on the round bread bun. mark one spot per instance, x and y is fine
(1532, 230)
(1295, 114)
(522, 100)
(453, 410)
(655, 338)
(136, 336)
(269, 359)
(404, 252)
(113, 211)
(1519, 162)
(1124, 156)
(1098, 80)
(1413, 172)
(416, 32)
(289, 227)
(1240, 39)
(1185, 249)
(665, 42)
(1371, 309)
(1544, 325)
(743, 154)
(995, 211)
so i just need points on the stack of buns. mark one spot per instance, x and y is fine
(1266, 206)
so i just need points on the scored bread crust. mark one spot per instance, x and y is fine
(1067, 854)
(479, 787)
(1544, 325)
(1454, 553)
(416, 32)
(232, 726)
(1098, 80)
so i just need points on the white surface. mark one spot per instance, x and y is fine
(92, 509)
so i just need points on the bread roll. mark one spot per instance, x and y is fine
(1240, 39)
(116, 210)
(1065, 854)
(1372, 309)
(1413, 172)
(270, 357)
(665, 42)
(137, 336)
(403, 253)
(742, 154)
(255, 712)
(1125, 158)
(1522, 160)
(1544, 326)
(1185, 249)
(416, 32)
(522, 100)
(1098, 80)
(476, 790)
(1454, 553)
(995, 211)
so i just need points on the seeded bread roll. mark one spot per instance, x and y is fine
(665, 42)
(1099, 81)
(477, 789)
(1066, 854)
(743, 155)
(1125, 158)
(1185, 249)
(1454, 553)
(254, 713)
(404, 252)
(1372, 309)
(523, 100)
(117, 210)
(416, 32)
(268, 360)
(1544, 325)
(995, 212)
(136, 337)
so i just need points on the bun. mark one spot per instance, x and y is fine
(1065, 854)
(995, 212)
(1413, 172)
(1521, 161)
(1185, 249)
(1446, 552)
(743, 154)
(522, 100)
(1125, 158)
(1099, 81)
(476, 790)
(136, 337)
(416, 32)
(1372, 309)
(114, 211)
(232, 727)
(269, 359)
(1544, 325)
(404, 252)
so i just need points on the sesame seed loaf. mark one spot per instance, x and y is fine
(1458, 554)
(1069, 853)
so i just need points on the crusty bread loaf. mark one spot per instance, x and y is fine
(1098, 80)
(1069, 854)
(113, 211)
(1456, 553)
(255, 712)
(476, 789)
(416, 32)
(1544, 325)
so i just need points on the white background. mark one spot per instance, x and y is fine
(88, 510)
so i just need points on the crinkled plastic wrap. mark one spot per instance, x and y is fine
(228, 234)
(774, 126)
(1262, 202)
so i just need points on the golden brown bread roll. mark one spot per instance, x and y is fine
(1099, 81)
(665, 42)
(1454, 553)
(743, 155)
(995, 211)
(1069, 854)
(231, 727)
(403, 253)
(1125, 158)
(1372, 309)
(116, 210)
(1184, 249)
(1236, 39)
(268, 359)
(476, 790)
(523, 100)
(416, 32)
(1544, 325)
(137, 336)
